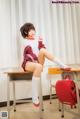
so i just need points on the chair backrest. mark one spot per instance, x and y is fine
(66, 91)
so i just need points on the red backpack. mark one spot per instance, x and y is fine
(66, 91)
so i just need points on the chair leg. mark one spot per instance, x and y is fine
(59, 105)
(62, 111)
(50, 93)
(14, 100)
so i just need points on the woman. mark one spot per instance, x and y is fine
(34, 54)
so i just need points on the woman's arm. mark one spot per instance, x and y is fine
(40, 43)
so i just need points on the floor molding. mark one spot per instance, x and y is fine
(46, 97)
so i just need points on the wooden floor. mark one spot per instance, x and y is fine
(28, 111)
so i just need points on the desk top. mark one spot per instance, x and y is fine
(16, 71)
(53, 70)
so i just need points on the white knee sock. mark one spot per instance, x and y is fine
(61, 64)
(35, 89)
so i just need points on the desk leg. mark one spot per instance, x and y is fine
(41, 100)
(50, 92)
(14, 99)
(77, 91)
(8, 96)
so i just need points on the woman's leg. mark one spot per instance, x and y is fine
(45, 54)
(36, 68)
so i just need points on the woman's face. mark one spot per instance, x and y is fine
(31, 34)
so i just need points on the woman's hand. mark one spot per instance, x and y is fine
(67, 68)
(40, 38)
(40, 43)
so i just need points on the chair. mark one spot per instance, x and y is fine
(53, 71)
(66, 93)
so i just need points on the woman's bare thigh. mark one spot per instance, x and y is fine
(36, 68)
(31, 66)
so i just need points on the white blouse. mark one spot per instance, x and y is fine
(33, 44)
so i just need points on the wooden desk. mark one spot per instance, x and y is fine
(75, 72)
(20, 74)
(54, 70)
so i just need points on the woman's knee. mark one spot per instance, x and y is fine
(38, 70)
(42, 50)
(39, 67)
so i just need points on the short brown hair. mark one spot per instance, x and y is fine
(26, 28)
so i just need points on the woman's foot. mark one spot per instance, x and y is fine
(66, 68)
(36, 102)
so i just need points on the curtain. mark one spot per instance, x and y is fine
(58, 24)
